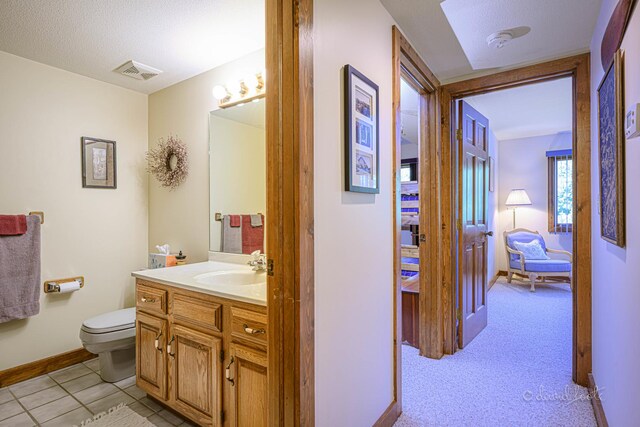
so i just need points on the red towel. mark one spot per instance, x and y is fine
(234, 220)
(252, 237)
(13, 225)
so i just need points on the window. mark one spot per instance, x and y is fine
(560, 191)
(405, 173)
(409, 170)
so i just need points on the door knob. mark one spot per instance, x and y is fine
(488, 233)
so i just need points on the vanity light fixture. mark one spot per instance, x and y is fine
(250, 88)
(220, 93)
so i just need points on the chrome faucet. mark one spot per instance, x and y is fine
(258, 261)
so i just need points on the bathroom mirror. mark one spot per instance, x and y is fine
(237, 178)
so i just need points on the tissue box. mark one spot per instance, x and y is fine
(162, 260)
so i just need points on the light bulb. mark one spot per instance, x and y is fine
(220, 93)
(251, 81)
(234, 87)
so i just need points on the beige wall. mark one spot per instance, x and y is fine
(353, 232)
(532, 175)
(238, 171)
(616, 286)
(181, 217)
(98, 234)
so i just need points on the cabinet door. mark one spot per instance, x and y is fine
(195, 375)
(247, 380)
(151, 362)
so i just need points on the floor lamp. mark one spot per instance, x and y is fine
(517, 197)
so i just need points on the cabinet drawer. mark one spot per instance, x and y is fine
(152, 300)
(199, 312)
(249, 325)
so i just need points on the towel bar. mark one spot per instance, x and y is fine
(219, 217)
(40, 214)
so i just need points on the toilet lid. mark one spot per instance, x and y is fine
(111, 322)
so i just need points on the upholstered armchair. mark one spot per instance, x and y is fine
(559, 265)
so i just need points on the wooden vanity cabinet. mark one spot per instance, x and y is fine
(248, 400)
(195, 374)
(246, 371)
(151, 360)
(202, 356)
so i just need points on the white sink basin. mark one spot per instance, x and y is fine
(231, 278)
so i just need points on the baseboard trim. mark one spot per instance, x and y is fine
(596, 402)
(43, 366)
(389, 417)
(495, 279)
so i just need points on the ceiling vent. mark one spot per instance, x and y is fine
(137, 71)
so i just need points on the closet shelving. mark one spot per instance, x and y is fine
(410, 210)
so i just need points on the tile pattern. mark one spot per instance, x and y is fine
(71, 395)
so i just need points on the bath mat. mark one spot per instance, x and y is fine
(118, 416)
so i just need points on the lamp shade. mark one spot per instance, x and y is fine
(518, 197)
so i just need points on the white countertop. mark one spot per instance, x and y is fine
(193, 277)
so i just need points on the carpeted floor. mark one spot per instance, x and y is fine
(517, 372)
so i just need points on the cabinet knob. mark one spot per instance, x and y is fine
(149, 300)
(227, 371)
(252, 331)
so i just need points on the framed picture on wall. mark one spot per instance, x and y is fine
(361, 124)
(611, 152)
(98, 163)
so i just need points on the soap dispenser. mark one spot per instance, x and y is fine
(181, 259)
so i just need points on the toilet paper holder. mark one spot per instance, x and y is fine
(51, 286)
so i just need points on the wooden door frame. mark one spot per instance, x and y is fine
(289, 219)
(407, 62)
(576, 67)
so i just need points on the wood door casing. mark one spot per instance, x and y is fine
(249, 391)
(474, 147)
(195, 374)
(151, 360)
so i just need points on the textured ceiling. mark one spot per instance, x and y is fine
(454, 44)
(525, 111)
(426, 25)
(182, 38)
(558, 27)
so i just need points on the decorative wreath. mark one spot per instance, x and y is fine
(169, 162)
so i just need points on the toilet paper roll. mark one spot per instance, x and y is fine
(69, 287)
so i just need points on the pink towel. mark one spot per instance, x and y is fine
(13, 225)
(235, 220)
(252, 237)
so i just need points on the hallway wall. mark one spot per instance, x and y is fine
(616, 287)
(531, 175)
(493, 204)
(353, 231)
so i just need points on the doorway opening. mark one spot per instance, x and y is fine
(516, 163)
(440, 311)
(577, 70)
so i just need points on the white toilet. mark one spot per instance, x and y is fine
(112, 336)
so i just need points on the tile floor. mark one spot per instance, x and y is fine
(71, 395)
